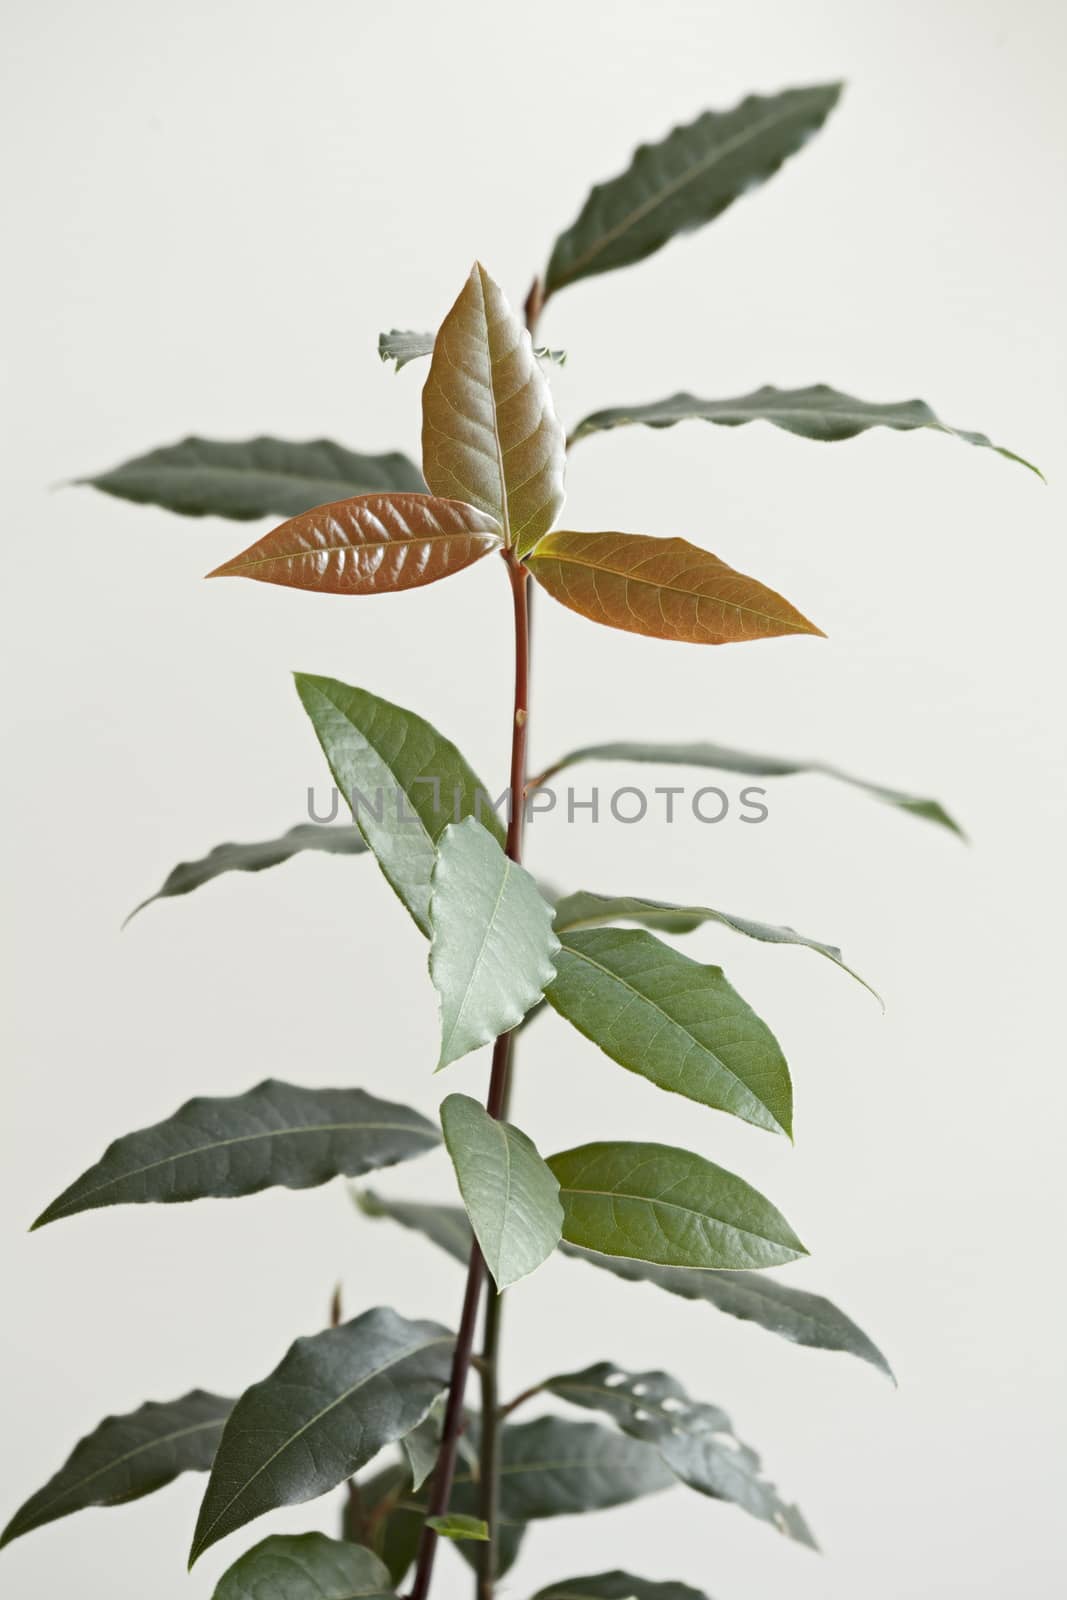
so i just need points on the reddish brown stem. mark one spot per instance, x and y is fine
(444, 1473)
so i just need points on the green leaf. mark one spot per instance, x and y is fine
(378, 1516)
(253, 478)
(674, 1021)
(726, 760)
(817, 412)
(557, 1468)
(306, 1566)
(456, 1526)
(422, 1444)
(617, 1586)
(190, 875)
(655, 1203)
(575, 912)
(445, 1226)
(686, 180)
(511, 1197)
(127, 1457)
(490, 435)
(493, 944)
(276, 1134)
(404, 781)
(403, 345)
(695, 1440)
(794, 1314)
(324, 1412)
(403, 1523)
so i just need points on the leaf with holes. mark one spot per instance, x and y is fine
(127, 1457)
(404, 781)
(490, 435)
(662, 588)
(673, 1021)
(492, 944)
(373, 544)
(277, 1134)
(325, 1411)
(511, 1197)
(655, 1203)
(723, 759)
(306, 1566)
(687, 179)
(252, 478)
(695, 1440)
(817, 412)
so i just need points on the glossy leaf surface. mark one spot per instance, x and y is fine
(724, 759)
(306, 1566)
(252, 478)
(404, 781)
(255, 857)
(686, 180)
(695, 1440)
(490, 435)
(654, 1203)
(372, 544)
(662, 588)
(127, 1457)
(794, 1314)
(511, 1196)
(492, 947)
(404, 344)
(575, 912)
(326, 1410)
(817, 412)
(673, 1021)
(277, 1134)
(618, 1585)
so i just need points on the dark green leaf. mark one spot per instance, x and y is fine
(306, 1566)
(404, 781)
(404, 345)
(275, 1135)
(617, 1586)
(794, 1314)
(817, 412)
(695, 1440)
(422, 1444)
(332, 1403)
(674, 1021)
(585, 910)
(189, 875)
(753, 766)
(458, 1526)
(253, 478)
(687, 179)
(127, 1457)
(655, 1203)
(556, 1468)
(490, 435)
(493, 943)
(393, 1530)
(511, 1197)
(446, 1226)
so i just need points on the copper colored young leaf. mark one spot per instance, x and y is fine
(250, 478)
(817, 412)
(685, 180)
(372, 544)
(653, 1202)
(663, 588)
(127, 1457)
(325, 1411)
(490, 435)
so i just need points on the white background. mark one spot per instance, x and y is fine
(212, 210)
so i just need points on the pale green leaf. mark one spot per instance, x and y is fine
(655, 1203)
(673, 1021)
(510, 1195)
(492, 942)
(457, 1526)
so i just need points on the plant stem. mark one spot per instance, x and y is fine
(444, 1473)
